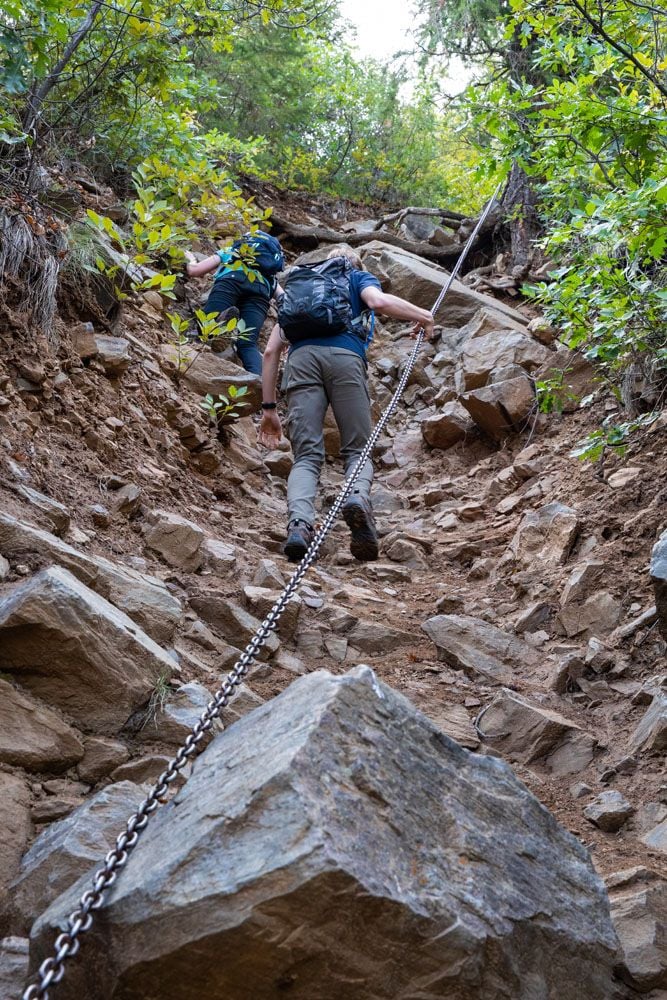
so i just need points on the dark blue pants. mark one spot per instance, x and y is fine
(252, 299)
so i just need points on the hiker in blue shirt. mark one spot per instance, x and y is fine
(327, 320)
(244, 284)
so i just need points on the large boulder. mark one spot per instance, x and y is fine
(144, 598)
(351, 849)
(33, 736)
(70, 848)
(480, 649)
(415, 279)
(659, 580)
(73, 649)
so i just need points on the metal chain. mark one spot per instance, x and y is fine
(67, 944)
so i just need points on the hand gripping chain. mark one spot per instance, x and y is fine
(67, 944)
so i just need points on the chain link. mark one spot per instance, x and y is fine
(52, 970)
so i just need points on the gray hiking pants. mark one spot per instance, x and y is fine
(314, 378)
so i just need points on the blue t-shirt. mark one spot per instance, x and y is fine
(350, 341)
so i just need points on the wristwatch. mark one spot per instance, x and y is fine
(269, 406)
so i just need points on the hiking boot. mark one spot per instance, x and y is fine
(299, 536)
(358, 516)
(220, 343)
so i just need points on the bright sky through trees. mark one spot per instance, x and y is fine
(385, 27)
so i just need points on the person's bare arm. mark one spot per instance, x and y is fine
(397, 308)
(196, 268)
(270, 429)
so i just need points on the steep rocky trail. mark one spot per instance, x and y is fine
(502, 604)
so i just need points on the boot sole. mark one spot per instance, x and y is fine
(295, 551)
(364, 542)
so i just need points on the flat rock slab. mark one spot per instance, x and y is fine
(55, 515)
(209, 373)
(144, 598)
(33, 736)
(415, 279)
(232, 623)
(478, 648)
(336, 843)
(651, 733)
(69, 849)
(74, 650)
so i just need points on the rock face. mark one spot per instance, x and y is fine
(659, 580)
(144, 598)
(352, 850)
(479, 649)
(69, 849)
(77, 651)
(32, 736)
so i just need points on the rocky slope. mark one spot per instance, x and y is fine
(512, 603)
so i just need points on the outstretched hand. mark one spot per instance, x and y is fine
(270, 430)
(427, 326)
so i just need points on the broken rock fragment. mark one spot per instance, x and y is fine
(77, 651)
(478, 648)
(545, 536)
(351, 845)
(659, 580)
(609, 811)
(639, 912)
(33, 736)
(447, 427)
(501, 408)
(526, 732)
(176, 539)
(144, 598)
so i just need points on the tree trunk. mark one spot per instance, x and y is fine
(520, 205)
